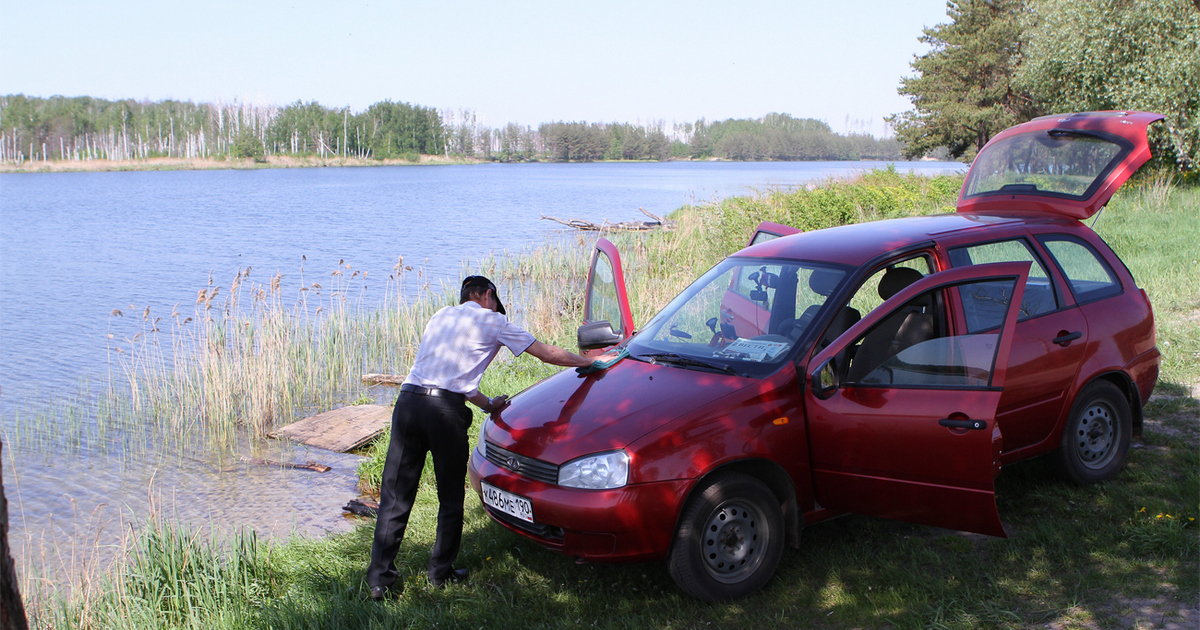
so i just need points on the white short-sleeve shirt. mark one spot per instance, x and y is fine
(459, 343)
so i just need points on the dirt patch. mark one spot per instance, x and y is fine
(1175, 416)
(1183, 426)
(1158, 613)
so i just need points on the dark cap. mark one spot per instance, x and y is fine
(480, 282)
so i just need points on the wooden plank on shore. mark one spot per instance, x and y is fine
(341, 430)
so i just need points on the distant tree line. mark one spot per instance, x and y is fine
(85, 128)
(998, 63)
(81, 128)
(781, 137)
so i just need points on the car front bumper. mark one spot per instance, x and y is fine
(630, 524)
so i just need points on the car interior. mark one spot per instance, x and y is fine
(911, 324)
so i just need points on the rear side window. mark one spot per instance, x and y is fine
(983, 306)
(1089, 276)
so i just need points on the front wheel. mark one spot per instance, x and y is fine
(1096, 438)
(729, 540)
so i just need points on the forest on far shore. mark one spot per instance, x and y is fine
(86, 128)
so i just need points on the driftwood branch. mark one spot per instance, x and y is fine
(307, 465)
(582, 224)
(383, 379)
(365, 507)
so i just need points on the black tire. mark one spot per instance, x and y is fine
(1095, 440)
(730, 539)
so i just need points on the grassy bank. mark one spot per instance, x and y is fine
(1123, 554)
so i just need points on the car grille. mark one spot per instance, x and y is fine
(525, 466)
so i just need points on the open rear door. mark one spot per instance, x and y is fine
(767, 231)
(903, 425)
(605, 301)
(1067, 164)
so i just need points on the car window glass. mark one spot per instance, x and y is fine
(762, 237)
(910, 347)
(985, 304)
(1056, 162)
(740, 312)
(867, 297)
(602, 302)
(1039, 291)
(757, 284)
(1088, 275)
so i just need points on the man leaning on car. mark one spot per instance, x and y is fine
(431, 415)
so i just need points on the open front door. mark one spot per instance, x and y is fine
(768, 231)
(605, 301)
(901, 408)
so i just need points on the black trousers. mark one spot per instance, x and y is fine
(421, 424)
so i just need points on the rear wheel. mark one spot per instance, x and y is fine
(729, 540)
(1096, 438)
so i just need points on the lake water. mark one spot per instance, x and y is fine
(74, 247)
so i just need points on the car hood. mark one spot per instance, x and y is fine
(568, 415)
(1067, 164)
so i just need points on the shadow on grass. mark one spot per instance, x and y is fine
(1075, 555)
(1095, 556)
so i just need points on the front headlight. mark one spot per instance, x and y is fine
(602, 471)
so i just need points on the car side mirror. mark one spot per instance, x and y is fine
(824, 379)
(597, 335)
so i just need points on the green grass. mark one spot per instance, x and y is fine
(1156, 232)
(1088, 554)
(1121, 554)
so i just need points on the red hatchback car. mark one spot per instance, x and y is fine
(887, 368)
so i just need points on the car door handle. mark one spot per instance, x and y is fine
(1065, 337)
(963, 424)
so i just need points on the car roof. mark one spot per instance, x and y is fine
(858, 243)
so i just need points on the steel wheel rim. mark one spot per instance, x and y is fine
(1096, 435)
(735, 536)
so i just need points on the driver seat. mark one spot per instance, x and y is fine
(823, 282)
(907, 327)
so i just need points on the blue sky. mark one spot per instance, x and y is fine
(523, 61)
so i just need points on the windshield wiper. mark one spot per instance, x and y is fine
(679, 359)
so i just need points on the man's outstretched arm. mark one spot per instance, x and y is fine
(554, 355)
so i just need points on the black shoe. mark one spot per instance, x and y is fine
(456, 576)
(380, 592)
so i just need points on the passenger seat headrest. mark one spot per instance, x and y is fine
(896, 279)
(824, 281)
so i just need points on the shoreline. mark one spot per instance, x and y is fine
(288, 161)
(212, 164)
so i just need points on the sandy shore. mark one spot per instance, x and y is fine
(198, 164)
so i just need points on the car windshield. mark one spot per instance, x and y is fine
(1060, 162)
(742, 317)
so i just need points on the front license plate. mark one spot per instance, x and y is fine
(507, 502)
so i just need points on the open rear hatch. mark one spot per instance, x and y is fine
(1067, 164)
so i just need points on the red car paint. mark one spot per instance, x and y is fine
(923, 446)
